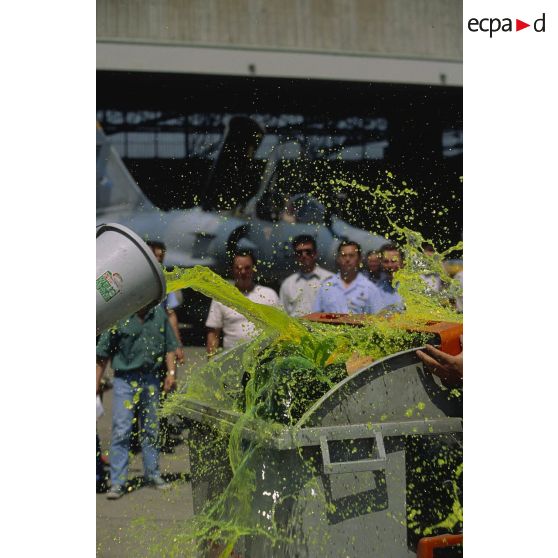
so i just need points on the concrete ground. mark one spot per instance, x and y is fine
(134, 526)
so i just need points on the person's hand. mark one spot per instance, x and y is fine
(447, 367)
(180, 355)
(170, 383)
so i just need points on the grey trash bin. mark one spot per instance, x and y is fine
(338, 482)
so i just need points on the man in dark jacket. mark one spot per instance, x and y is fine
(139, 348)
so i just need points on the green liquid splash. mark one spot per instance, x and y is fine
(286, 369)
(421, 301)
(210, 284)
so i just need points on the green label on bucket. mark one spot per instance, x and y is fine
(108, 284)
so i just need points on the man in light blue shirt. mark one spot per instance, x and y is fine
(392, 261)
(349, 292)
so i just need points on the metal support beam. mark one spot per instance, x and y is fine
(129, 56)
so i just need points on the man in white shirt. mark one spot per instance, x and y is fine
(299, 290)
(235, 327)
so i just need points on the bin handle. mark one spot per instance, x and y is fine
(358, 466)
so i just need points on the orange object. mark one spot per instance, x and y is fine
(449, 334)
(426, 545)
(446, 334)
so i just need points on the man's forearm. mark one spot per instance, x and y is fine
(212, 341)
(170, 379)
(173, 319)
(101, 366)
(170, 361)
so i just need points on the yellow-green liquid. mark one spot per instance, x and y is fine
(228, 518)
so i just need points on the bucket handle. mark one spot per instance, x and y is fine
(358, 466)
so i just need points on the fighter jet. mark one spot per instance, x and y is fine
(237, 211)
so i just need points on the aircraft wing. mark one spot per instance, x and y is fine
(192, 236)
(368, 241)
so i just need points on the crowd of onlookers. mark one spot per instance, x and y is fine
(145, 348)
(360, 286)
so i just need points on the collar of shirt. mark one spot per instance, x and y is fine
(150, 314)
(359, 280)
(135, 320)
(307, 276)
(386, 285)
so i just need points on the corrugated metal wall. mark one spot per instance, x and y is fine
(427, 29)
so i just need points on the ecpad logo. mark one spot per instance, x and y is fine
(494, 24)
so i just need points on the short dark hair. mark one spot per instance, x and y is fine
(302, 239)
(244, 253)
(156, 244)
(349, 243)
(370, 252)
(390, 247)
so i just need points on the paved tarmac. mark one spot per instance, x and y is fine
(134, 526)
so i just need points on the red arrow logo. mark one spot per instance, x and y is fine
(519, 25)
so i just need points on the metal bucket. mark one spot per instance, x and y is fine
(128, 277)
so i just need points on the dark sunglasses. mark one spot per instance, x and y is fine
(307, 251)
